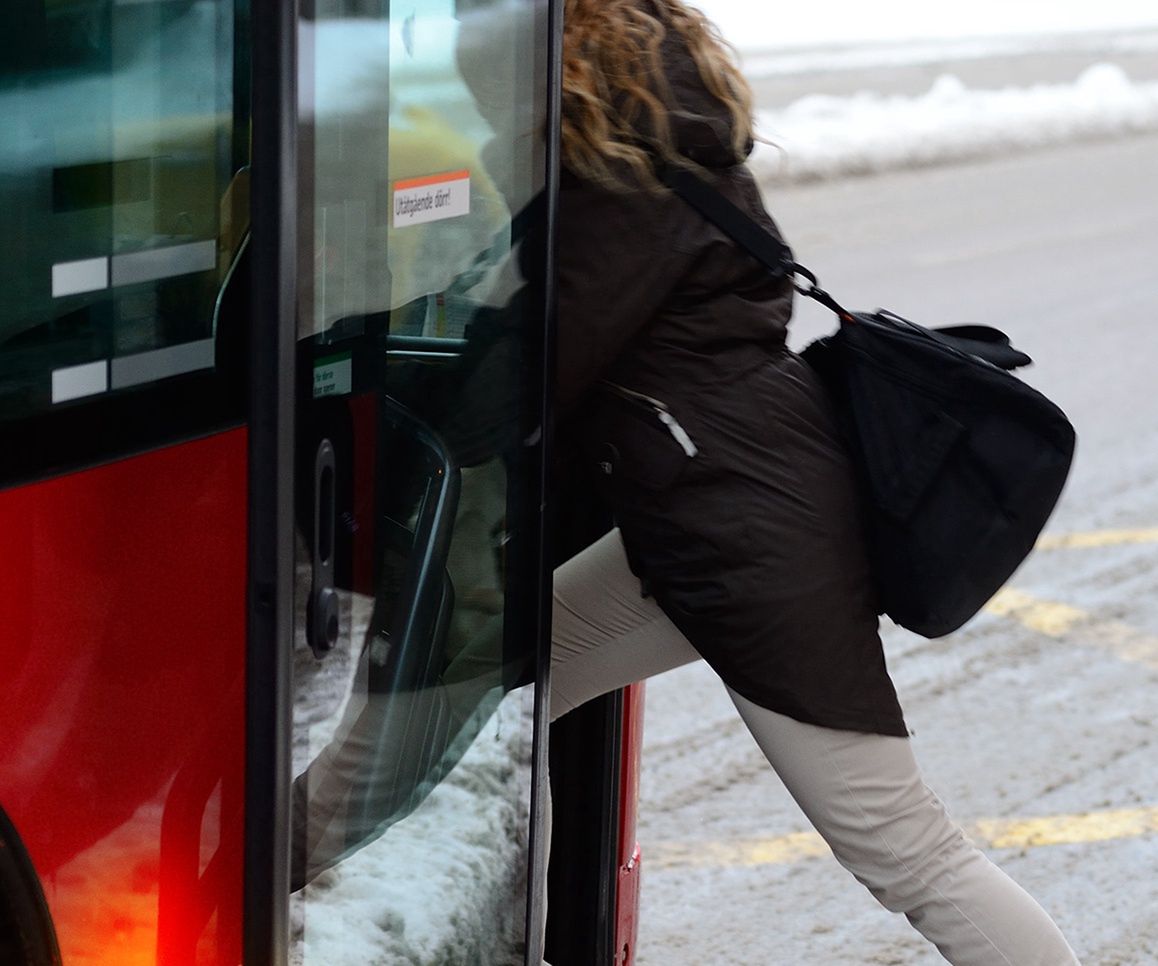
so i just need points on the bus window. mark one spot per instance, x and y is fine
(420, 370)
(122, 159)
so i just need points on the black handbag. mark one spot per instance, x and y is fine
(960, 462)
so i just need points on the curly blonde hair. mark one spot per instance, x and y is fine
(616, 97)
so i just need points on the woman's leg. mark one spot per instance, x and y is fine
(604, 633)
(865, 796)
(862, 792)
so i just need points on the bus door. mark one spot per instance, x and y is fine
(419, 576)
(272, 577)
(124, 145)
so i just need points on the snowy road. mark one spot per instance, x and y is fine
(1038, 722)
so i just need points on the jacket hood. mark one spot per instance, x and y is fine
(701, 123)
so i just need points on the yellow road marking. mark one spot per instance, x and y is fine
(1045, 616)
(1051, 618)
(727, 853)
(1096, 538)
(1055, 619)
(1062, 620)
(1105, 826)
(996, 833)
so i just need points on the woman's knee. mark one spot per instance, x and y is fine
(903, 858)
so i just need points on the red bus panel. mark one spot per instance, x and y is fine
(122, 643)
(630, 858)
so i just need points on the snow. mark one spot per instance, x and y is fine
(824, 22)
(758, 63)
(447, 883)
(864, 130)
(820, 137)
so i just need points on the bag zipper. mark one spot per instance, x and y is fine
(659, 407)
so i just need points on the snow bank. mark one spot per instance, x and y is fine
(445, 885)
(829, 58)
(820, 137)
(750, 25)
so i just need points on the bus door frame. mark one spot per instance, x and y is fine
(270, 591)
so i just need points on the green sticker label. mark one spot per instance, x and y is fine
(334, 376)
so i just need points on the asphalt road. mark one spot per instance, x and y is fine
(1038, 722)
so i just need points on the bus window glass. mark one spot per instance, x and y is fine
(121, 211)
(420, 319)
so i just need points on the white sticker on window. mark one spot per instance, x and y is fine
(419, 200)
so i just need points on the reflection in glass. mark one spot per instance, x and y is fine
(119, 147)
(419, 339)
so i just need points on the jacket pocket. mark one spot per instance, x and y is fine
(636, 440)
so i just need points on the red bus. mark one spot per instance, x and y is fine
(275, 536)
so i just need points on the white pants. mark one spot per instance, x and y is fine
(862, 792)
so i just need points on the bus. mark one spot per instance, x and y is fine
(277, 496)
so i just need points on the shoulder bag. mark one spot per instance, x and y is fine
(960, 462)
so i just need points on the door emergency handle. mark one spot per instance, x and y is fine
(322, 619)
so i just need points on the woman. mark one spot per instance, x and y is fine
(737, 539)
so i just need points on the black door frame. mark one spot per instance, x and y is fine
(270, 530)
(272, 345)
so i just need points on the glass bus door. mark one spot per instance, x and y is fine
(419, 577)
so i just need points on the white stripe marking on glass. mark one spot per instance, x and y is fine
(157, 263)
(157, 364)
(75, 382)
(86, 275)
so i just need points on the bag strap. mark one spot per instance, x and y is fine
(982, 341)
(761, 244)
(749, 234)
